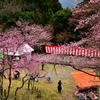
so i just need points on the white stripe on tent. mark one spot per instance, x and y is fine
(73, 51)
(92, 53)
(62, 50)
(67, 50)
(53, 50)
(85, 52)
(76, 51)
(95, 53)
(89, 53)
(48, 48)
(80, 52)
(59, 50)
(70, 50)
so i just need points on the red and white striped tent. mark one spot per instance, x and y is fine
(72, 51)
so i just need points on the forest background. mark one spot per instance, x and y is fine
(48, 14)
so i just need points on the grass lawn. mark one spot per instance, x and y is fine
(48, 91)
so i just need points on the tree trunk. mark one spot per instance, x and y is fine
(28, 84)
(0, 91)
(4, 93)
(99, 92)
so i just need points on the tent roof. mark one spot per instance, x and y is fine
(21, 50)
(85, 81)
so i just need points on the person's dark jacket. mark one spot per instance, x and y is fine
(59, 87)
(59, 83)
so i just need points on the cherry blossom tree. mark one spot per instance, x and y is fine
(88, 18)
(10, 42)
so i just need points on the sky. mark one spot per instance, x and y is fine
(68, 3)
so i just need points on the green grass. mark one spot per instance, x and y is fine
(48, 91)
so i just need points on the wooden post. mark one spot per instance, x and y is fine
(28, 84)
(98, 92)
(4, 93)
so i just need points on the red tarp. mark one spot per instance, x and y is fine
(85, 81)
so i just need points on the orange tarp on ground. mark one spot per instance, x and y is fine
(85, 81)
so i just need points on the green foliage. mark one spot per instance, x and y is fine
(36, 11)
(46, 8)
(60, 21)
(47, 16)
(61, 17)
(27, 16)
(38, 19)
(66, 34)
(56, 6)
(10, 19)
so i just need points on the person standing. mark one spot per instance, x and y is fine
(42, 66)
(59, 86)
(36, 78)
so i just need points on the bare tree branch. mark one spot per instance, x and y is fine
(23, 82)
